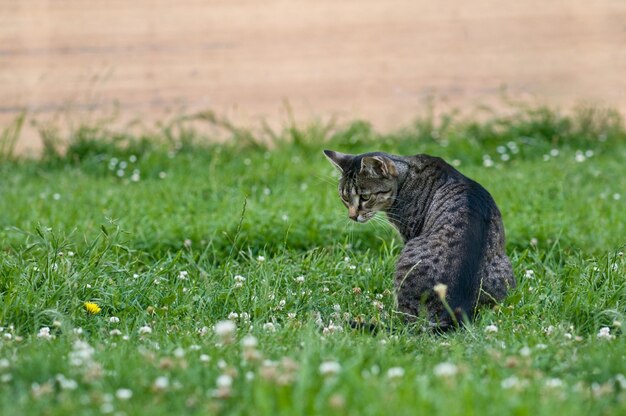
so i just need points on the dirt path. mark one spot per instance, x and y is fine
(378, 60)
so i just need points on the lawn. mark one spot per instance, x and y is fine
(221, 277)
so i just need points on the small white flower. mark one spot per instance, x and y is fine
(225, 329)
(161, 383)
(529, 274)
(300, 279)
(182, 275)
(249, 341)
(524, 352)
(194, 347)
(44, 333)
(65, 383)
(510, 382)
(115, 333)
(145, 330)
(233, 315)
(204, 358)
(179, 352)
(567, 335)
(260, 258)
(124, 394)
(445, 369)
(378, 305)
(491, 329)
(239, 281)
(330, 368)
(554, 383)
(7, 336)
(114, 320)
(224, 381)
(4, 363)
(269, 327)
(441, 290)
(395, 372)
(605, 333)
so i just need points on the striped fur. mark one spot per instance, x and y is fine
(451, 227)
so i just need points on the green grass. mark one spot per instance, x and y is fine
(163, 249)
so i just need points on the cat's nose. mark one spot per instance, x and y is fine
(352, 213)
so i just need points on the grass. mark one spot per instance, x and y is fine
(159, 232)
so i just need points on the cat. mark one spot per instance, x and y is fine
(452, 230)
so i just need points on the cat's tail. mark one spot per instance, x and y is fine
(463, 296)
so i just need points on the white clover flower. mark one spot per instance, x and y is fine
(44, 333)
(491, 329)
(4, 363)
(204, 358)
(249, 341)
(524, 352)
(395, 372)
(332, 328)
(269, 327)
(300, 279)
(554, 383)
(445, 369)
(203, 331)
(182, 275)
(378, 305)
(194, 347)
(145, 330)
(330, 368)
(260, 258)
(224, 381)
(605, 333)
(114, 320)
(529, 274)
(7, 336)
(225, 330)
(510, 382)
(115, 332)
(179, 352)
(239, 281)
(65, 383)
(161, 383)
(81, 354)
(233, 315)
(124, 394)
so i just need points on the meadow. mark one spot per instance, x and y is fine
(163, 274)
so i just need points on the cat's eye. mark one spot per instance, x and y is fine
(365, 197)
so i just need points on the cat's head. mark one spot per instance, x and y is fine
(368, 183)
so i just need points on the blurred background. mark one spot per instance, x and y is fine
(69, 61)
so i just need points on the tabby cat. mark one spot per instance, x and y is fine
(451, 227)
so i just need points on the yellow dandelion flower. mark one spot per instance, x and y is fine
(92, 308)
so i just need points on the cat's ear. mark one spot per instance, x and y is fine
(341, 161)
(378, 167)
